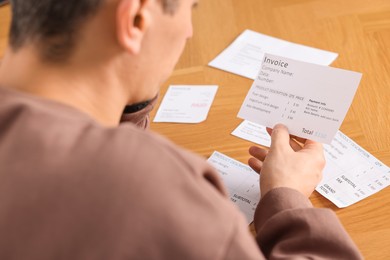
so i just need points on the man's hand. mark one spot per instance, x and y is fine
(287, 163)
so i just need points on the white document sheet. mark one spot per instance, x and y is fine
(253, 132)
(311, 100)
(245, 54)
(186, 104)
(351, 173)
(241, 181)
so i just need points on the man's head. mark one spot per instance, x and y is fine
(127, 46)
(55, 24)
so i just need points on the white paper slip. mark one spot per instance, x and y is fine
(241, 181)
(186, 104)
(253, 132)
(311, 100)
(245, 54)
(351, 173)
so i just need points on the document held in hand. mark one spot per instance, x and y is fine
(311, 100)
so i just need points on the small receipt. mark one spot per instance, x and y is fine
(242, 182)
(311, 100)
(186, 104)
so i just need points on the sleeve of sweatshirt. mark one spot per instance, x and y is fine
(288, 227)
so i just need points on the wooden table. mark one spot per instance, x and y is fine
(359, 30)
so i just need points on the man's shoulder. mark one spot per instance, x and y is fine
(51, 136)
(123, 184)
(138, 149)
(66, 138)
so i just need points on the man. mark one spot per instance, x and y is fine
(75, 185)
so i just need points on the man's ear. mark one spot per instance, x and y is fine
(132, 23)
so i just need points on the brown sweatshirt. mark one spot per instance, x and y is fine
(73, 189)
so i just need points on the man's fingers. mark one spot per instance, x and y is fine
(255, 164)
(280, 137)
(309, 144)
(299, 139)
(295, 145)
(269, 131)
(258, 152)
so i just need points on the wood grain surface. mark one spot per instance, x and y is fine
(359, 30)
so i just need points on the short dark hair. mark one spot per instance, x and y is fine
(53, 24)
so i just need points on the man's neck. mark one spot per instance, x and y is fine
(90, 89)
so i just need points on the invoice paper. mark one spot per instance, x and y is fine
(241, 181)
(253, 132)
(311, 100)
(350, 174)
(186, 104)
(244, 55)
